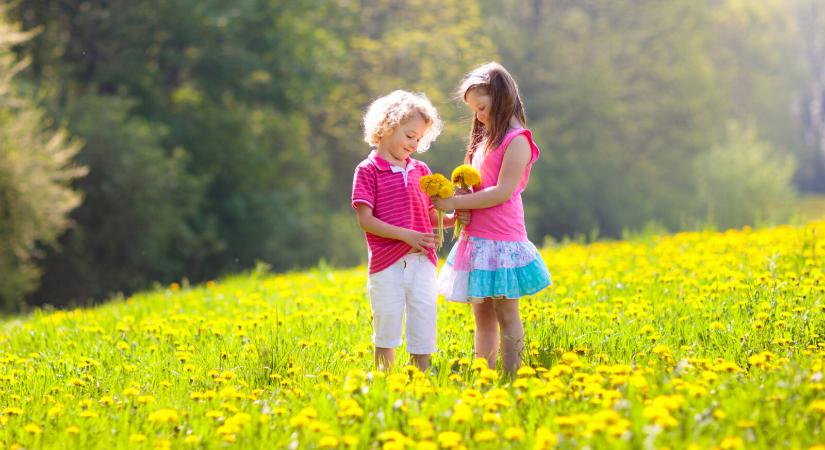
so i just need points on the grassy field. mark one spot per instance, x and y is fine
(694, 340)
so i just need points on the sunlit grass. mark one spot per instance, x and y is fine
(705, 339)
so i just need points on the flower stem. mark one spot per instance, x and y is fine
(440, 229)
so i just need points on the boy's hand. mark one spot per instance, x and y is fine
(463, 215)
(421, 242)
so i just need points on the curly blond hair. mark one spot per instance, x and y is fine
(387, 113)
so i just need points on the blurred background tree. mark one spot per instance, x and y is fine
(36, 169)
(218, 134)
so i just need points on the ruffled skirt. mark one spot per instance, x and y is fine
(478, 268)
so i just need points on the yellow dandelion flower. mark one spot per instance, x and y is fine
(661, 350)
(817, 406)
(328, 442)
(731, 442)
(164, 416)
(466, 176)
(432, 184)
(488, 375)
(526, 371)
(545, 439)
(491, 418)
(449, 439)
(479, 363)
(423, 427)
(514, 434)
(485, 436)
(54, 411)
(299, 421)
(130, 392)
(12, 411)
(240, 420)
(462, 413)
(569, 358)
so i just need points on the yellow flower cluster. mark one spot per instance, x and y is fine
(466, 176)
(436, 185)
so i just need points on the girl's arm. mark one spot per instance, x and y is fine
(516, 158)
(421, 242)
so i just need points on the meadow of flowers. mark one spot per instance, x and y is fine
(696, 340)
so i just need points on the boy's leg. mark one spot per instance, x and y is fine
(486, 335)
(387, 304)
(384, 357)
(420, 361)
(422, 294)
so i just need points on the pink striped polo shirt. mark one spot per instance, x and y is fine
(395, 198)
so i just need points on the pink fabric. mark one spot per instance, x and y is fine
(503, 222)
(393, 201)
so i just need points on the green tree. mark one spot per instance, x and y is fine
(810, 16)
(621, 96)
(211, 102)
(36, 171)
(132, 227)
(744, 181)
(758, 57)
(424, 46)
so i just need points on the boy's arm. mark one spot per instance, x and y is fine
(449, 218)
(421, 242)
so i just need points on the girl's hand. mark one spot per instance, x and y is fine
(421, 242)
(463, 215)
(444, 204)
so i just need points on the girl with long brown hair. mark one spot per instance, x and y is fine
(493, 264)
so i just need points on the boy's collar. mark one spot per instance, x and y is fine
(383, 164)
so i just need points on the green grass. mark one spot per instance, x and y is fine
(707, 339)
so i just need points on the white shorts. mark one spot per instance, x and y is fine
(407, 285)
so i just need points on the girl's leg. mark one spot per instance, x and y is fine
(486, 336)
(384, 357)
(512, 334)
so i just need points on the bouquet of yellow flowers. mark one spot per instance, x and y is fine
(437, 185)
(464, 178)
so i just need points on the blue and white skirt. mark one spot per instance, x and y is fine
(478, 268)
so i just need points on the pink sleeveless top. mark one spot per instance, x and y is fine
(503, 222)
